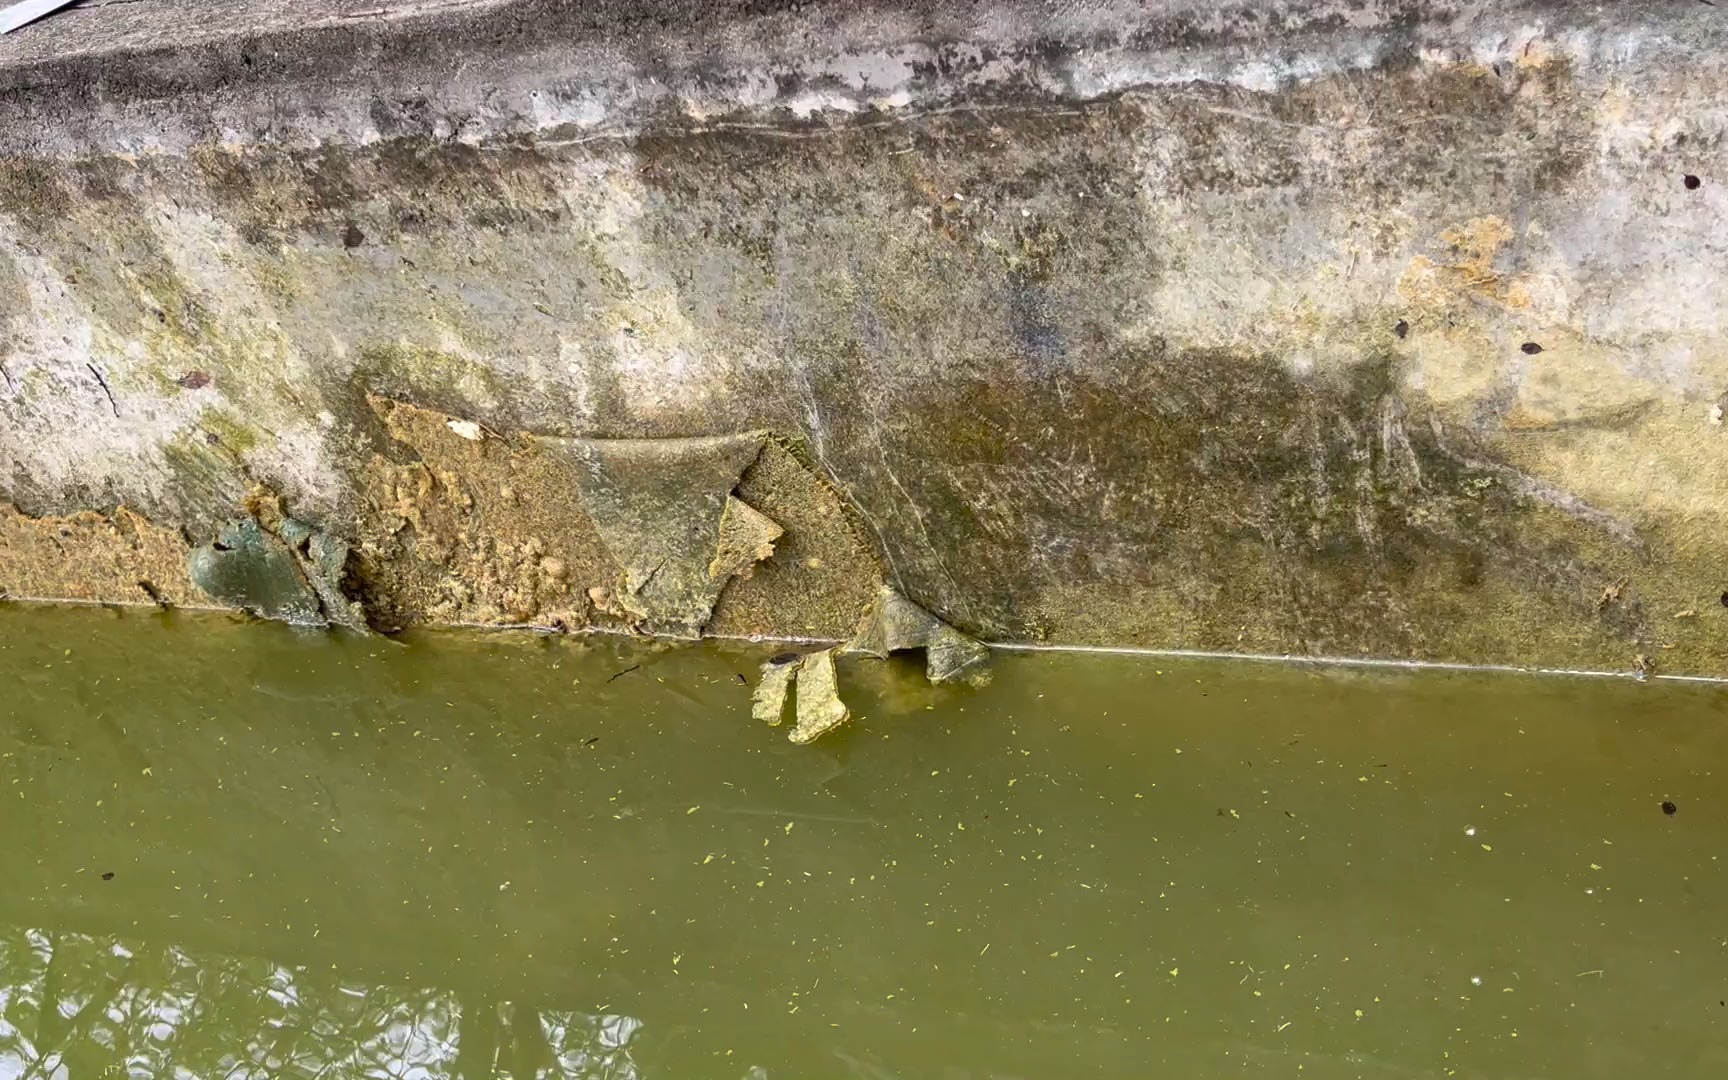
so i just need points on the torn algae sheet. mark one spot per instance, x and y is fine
(819, 708)
(659, 507)
(294, 575)
(896, 624)
(769, 701)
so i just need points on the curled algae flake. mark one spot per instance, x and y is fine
(768, 704)
(819, 708)
(896, 624)
(747, 537)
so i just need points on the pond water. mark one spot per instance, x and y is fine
(232, 849)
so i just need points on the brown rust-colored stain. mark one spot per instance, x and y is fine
(117, 558)
(453, 530)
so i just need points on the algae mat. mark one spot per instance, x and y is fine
(249, 850)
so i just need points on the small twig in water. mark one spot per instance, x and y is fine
(1592, 971)
(103, 383)
(626, 671)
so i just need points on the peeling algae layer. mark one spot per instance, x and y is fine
(256, 849)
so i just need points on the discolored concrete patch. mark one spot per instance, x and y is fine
(118, 558)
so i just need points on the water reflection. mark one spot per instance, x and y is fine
(74, 1005)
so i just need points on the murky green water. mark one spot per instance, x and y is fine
(236, 850)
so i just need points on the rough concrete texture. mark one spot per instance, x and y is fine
(1361, 327)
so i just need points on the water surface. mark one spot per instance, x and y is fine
(239, 850)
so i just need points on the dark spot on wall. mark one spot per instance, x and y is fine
(194, 380)
(352, 237)
(1032, 320)
(1529, 348)
(1692, 182)
(1402, 329)
(1669, 808)
(403, 116)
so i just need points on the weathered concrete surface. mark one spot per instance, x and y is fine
(1336, 326)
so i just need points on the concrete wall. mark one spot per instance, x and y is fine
(1335, 326)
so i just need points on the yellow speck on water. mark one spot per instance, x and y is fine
(707, 859)
(146, 770)
(1487, 847)
(759, 884)
(1175, 971)
(789, 825)
(1593, 866)
(693, 809)
(1358, 1014)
